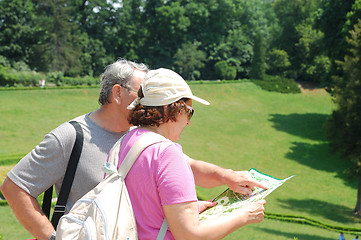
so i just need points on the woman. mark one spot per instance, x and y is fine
(161, 183)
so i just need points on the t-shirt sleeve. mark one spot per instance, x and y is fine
(42, 167)
(175, 179)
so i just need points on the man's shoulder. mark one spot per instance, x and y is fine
(80, 119)
(66, 130)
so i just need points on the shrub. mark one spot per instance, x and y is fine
(224, 71)
(278, 62)
(4, 77)
(11, 78)
(221, 69)
(80, 81)
(231, 73)
(320, 68)
(21, 66)
(56, 77)
(4, 61)
(278, 84)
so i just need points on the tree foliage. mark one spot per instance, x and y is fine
(278, 62)
(344, 126)
(81, 37)
(331, 21)
(258, 69)
(189, 59)
(224, 71)
(18, 30)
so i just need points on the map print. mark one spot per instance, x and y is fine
(230, 201)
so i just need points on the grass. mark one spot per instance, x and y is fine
(244, 127)
(26, 116)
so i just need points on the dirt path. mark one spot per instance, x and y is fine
(310, 87)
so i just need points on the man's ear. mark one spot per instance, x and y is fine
(117, 93)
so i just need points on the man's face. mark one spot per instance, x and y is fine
(138, 78)
(132, 93)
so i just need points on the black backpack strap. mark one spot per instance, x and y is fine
(48, 195)
(60, 206)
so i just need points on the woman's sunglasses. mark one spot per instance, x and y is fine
(190, 112)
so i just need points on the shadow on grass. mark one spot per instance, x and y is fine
(309, 125)
(318, 156)
(291, 236)
(331, 211)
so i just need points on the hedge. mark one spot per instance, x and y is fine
(312, 222)
(278, 84)
(12, 78)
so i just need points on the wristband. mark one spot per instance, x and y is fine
(52, 236)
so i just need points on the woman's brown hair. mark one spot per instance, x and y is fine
(156, 115)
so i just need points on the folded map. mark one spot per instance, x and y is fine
(230, 201)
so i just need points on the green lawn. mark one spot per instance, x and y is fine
(244, 127)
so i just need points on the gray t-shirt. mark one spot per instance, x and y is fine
(45, 165)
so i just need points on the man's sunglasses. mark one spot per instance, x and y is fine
(190, 111)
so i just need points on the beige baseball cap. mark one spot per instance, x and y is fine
(162, 87)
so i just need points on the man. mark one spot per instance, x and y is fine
(45, 165)
(341, 237)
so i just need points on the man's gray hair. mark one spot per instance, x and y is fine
(119, 72)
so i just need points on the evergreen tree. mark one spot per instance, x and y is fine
(259, 57)
(60, 45)
(344, 126)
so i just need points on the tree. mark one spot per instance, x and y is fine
(331, 21)
(60, 42)
(344, 126)
(258, 61)
(236, 49)
(189, 60)
(209, 22)
(308, 48)
(132, 30)
(297, 33)
(170, 31)
(18, 33)
(352, 16)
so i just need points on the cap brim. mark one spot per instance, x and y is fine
(133, 104)
(200, 100)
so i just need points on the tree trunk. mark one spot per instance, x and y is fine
(357, 210)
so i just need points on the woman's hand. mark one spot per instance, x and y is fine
(241, 181)
(183, 220)
(254, 212)
(203, 205)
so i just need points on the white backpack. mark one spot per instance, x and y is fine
(106, 212)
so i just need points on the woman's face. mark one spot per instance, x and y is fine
(176, 128)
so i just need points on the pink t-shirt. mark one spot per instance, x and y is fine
(160, 176)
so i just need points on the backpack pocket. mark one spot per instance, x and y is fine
(80, 230)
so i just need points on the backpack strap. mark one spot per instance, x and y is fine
(48, 194)
(163, 230)
(137, 148)
(60, 208)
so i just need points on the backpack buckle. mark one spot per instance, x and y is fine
(59, 208)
